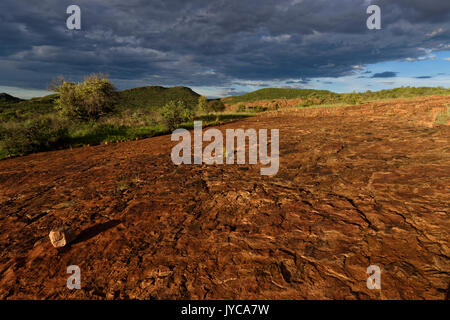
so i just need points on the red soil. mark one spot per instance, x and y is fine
(357, 186)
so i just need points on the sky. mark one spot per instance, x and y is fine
(226, 47)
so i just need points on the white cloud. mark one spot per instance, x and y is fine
(435, 32)
(422, 58)
(280, 38)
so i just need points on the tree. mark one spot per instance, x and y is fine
(175, 113)
(210, 106)
(203, 104)
(87, 100)
(216, 105)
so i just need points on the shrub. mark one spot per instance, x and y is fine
(88, 100)
(307, 102)
(241, 108)
(203, 104)
(216, 106)
(353, 98)
(257, 109)
(44, 133)
(175, 113)
(210, 106)
(132, 118)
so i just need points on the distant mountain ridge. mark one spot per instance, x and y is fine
(277, 93)
(152, 97)
(7, 98)
(325, 95)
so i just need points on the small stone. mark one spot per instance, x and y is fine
(110, 296)
(61, 237)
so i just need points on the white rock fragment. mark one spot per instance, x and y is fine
(61, 237)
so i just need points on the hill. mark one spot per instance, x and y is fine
(12, 108)
(4, 97)
(151, 97)
(331, 97)
(154, 97)
(278, 93)
(6, 100)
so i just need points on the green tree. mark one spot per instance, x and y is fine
(209, 107)
(175, 113)
(203, 105)
(216, 106)
(88, 100)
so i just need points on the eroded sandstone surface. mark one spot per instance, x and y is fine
(357, 186)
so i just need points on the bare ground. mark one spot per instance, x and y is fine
(357, 186)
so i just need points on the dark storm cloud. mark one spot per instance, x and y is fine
(214, 43)
(386, 74)
(424, 77)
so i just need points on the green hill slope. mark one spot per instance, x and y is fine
(279, 93)
(6, 98)
(12, 108)
(154, 97)
(7, 101)
(331, 97)
(150, 98)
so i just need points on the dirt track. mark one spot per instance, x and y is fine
(357, 186)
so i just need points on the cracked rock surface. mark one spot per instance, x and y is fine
(357, 186)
